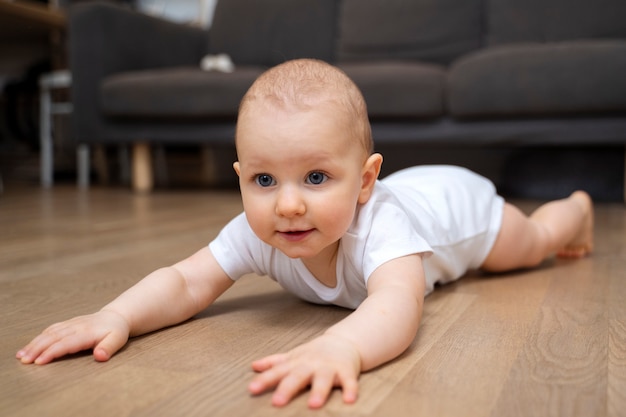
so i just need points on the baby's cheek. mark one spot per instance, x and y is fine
(339, 220)
(259, 222)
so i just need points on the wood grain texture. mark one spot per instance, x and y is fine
(546, 342)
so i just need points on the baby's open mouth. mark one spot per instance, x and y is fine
(295, 235)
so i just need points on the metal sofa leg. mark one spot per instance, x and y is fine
(45, 139)
(82, 162)
(142, 179)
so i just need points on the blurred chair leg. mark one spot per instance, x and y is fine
(55, 79)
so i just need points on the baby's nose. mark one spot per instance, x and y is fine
(290, 203)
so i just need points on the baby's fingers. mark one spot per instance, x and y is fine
(350, 387)
(269, 377)
(54, 342)
(28, 353)
(323, 384)
(321, 387)
(291, 384)
(268, 362)
(105, 331)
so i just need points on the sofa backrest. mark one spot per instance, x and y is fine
(554, 20)
(269, 32)
(429, 30)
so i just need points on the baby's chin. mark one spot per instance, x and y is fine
(298, 255)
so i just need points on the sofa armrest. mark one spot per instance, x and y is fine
(105, 38)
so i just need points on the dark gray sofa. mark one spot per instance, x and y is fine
(466, 73)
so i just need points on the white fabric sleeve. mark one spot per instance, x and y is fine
(234, 248)
(387, 244)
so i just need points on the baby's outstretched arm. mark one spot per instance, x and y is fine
(381, 328)
(165, 297)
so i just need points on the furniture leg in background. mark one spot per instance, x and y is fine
(56, 80)
(142, 180)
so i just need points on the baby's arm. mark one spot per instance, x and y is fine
(165, 297)
(381, 328)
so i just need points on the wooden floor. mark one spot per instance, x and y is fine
(547, 342)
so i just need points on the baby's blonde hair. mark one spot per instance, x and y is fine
(304, 84)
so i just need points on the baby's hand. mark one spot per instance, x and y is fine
(323, 363)
(106, 332)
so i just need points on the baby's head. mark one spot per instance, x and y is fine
(307, 84)
(305, 158)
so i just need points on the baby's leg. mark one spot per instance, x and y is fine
(564, 227)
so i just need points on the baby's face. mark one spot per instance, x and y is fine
(300, 175)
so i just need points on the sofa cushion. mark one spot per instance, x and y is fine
(176, 92)
(428, 30)
(269, 32)
(545, 80)
(399, 89)
(554, 20)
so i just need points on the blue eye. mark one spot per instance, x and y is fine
(316, 178)
(265, 180)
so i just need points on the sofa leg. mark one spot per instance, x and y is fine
(83, 163)
(209, 163)
(142, 168)
(100, 164)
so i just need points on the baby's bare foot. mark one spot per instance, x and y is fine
(582, 244)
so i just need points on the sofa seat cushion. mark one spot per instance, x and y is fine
(427, 30)
(176, 92)
(399, 89)
(558, 79)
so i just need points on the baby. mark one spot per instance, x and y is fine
(317, 220)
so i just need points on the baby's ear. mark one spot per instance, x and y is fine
(237, 168)
(369, 175)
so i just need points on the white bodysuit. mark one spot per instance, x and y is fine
(449, 215)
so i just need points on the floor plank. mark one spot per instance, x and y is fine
(549, 342)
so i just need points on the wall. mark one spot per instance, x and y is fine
(189, 11)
